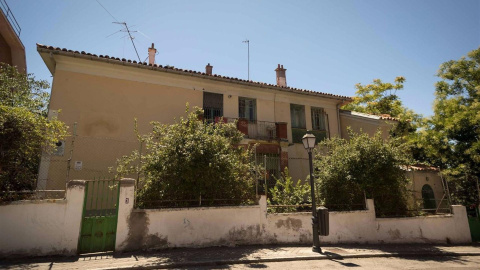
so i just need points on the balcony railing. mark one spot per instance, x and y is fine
(11, 19)
(260, 130)
(298, 133)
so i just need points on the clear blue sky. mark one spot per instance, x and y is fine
(326, 46)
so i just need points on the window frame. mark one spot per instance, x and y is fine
(252, 118)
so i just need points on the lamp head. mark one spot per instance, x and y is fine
(308, 142)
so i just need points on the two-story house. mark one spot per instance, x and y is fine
(103, 95)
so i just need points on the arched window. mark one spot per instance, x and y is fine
(428, 198)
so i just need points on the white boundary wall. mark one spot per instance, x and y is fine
(42, 227)
(36, 228)
(214, 226)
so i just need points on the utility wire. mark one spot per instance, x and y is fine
(107, 11)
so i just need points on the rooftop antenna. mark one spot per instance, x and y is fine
(130, 36)
(122, 30)
(248, 46)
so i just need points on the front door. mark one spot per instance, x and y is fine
(99, 218)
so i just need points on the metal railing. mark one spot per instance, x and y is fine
(11, 19)
(260, 130)
(298, 133)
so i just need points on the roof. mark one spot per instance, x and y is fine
(370, 116)
(115, 60)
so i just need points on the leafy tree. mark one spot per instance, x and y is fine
(348, 169)
(381, 98)
(25, 130)
(286, 192)
(451, 138)
(191, 159)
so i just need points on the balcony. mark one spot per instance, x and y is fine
(298, 133)
(259, 130)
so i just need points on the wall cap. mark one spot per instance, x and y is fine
(76, 183)
(127, 182)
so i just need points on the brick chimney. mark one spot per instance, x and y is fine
(281, 77)
(151, 55)
(208, 69)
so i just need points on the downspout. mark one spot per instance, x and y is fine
(339, 124)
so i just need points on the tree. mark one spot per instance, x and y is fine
(348, 169)
(25, 131)
(189, 160)
(451, 137)
(381, 98)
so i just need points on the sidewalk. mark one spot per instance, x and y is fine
(195, 257)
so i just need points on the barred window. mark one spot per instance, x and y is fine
(318, 119)
(212, 106)
(247, 108)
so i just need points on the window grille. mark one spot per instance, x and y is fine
(212, 106)
(318, 119)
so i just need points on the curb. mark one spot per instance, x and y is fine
(297, 258)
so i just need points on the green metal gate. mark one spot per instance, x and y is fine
(99, 218)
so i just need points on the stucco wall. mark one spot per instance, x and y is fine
(152, 229)
(421, 178)
(364, 124)
(43, 227)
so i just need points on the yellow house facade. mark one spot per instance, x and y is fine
(99, 97)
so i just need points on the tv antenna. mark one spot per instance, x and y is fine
(126, 29)
(248, 56)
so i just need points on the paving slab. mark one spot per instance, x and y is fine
(214, 256)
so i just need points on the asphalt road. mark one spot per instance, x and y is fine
(437, 263)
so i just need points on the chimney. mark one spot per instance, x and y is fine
(151, 55)
(208, 69)
(281, 78)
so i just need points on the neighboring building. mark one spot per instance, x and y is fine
(368, 123)
(12, 50)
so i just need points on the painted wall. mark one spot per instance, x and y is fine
(364, 124)
(197, 227)
(420, 178)
(43, 227)
(104, 99)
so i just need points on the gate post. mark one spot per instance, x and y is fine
(75, 194)
(125, 206)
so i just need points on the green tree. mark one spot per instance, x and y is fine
(451, 137)
(380, 98)
(348, 169)
(25, 131)
(191, 159)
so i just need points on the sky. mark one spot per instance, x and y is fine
(326, 46)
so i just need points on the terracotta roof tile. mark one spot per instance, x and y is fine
(51, 48)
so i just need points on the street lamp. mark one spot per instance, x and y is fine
(309, 144)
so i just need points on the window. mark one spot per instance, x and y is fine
(212, 106)
(318, 119)
(247, 108)
(297, 113)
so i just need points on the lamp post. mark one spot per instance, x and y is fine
(309, 144)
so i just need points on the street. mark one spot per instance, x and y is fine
(436, 262)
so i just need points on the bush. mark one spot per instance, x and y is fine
(190, 160)
(285, 192)
(346, 170)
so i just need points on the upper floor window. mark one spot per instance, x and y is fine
(212, 106)
(247, 108)
(318, 119)
(297, 113)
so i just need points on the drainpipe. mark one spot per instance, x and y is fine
(339, 124)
